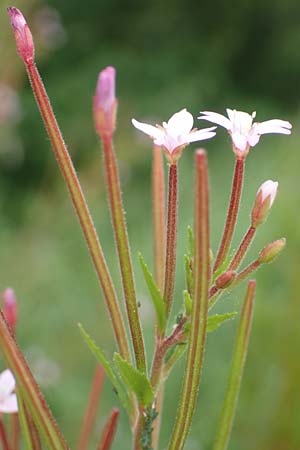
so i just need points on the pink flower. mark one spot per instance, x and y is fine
(175, 134)
(10, 307)
(8, 400)
(105, 103)
(23, 35)
(243, 131)
(265, 197)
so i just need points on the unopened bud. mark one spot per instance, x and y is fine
(225, 279)
(271, 251)
(265, 197)
(105, 103)
(23, 36)
(10, 307)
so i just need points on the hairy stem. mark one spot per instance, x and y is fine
(238, 257)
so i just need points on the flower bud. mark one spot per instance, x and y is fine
(271, 251)
(265, 197)
(10, 307)
(225, 279)
(105, 103)
(23, 36)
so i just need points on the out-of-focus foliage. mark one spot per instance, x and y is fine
(169, 55)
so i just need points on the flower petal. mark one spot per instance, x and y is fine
(152, 131)
(240, 141)
(201, 135)
(215, 118)
(9, 405)
(273, 126)
(7, 383)
(180, 123)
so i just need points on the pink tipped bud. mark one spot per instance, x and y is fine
(271, 251)
(265, 197)
(10, 307)
(23, 35)
(225, 279)
(105, 102)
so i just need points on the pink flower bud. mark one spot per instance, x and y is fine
(23, 35)
(225, 279)
(105, 102)
(10, 307)
(271, 251)
(265, 197)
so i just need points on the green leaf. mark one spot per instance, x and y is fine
(157, 299)
(188, 273)
(215, 321)
(191, 241)
(135, 380)
(187, 303)
(108, 367)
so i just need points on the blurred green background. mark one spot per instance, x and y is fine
(169, 55)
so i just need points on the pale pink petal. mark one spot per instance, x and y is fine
(152, 131)
(201, 135)
(7, 383)
(273, 126)
(269, 188)
(253, 139)
(240, 141)
(180, 123)
(215, 118)
(9, 405)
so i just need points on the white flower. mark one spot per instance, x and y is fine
(264, 200)
(8, 400)
(268, 189)
(176, 133)
(244, 132)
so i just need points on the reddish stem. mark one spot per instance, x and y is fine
(15, 431)
(159, 220)
(171, 237)
(3, 436)
(32, 429)
(238, 257)
(109, 431)
(246, 272)
(236, 190)
(91, 409)
(121, 236)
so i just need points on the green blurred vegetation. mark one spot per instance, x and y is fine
(168, 55)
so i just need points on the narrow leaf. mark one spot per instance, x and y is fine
(188, 274)
(135, 380)
(108, 367)
(187, 303)
(191, 241)
(215, 321)
(157, 299)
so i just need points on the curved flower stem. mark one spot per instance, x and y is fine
(159, 219)
(236, 370)
(171, 237)
(236, 190)
(197, 337)
(238, 257)
(81, 208)
(122, 242)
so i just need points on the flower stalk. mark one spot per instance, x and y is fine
(195, 351)
(236, 370)
(245, 244)
(109, 431)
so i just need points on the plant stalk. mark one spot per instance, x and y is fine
(238, 257)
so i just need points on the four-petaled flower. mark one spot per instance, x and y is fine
(243, 131)
(175, 134)
(8, 399)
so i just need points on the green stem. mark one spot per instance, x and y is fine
(238, 257)
(171, 237)
(236, 370)
(29, 389)
(197, 336)
(81, 208)
(3, 436)
(121, 236)
(236, 190)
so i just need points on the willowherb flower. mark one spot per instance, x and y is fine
(243, 131)
(265, 197)
(8, 399)
(175, 134)
(23, 35)
(105, 102)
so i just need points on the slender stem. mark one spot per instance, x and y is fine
(236, 190)
(35, 441)
(3, 436)
(121, 236)
(171, 237)
(138, 430)
(91, 409)
(15, 431)
(81, 208)
(236, 370)
(29, 389)
(238, 257)
(246, 272)
(159, 220)
(197, 337)
(159, 402)
(109, 431)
